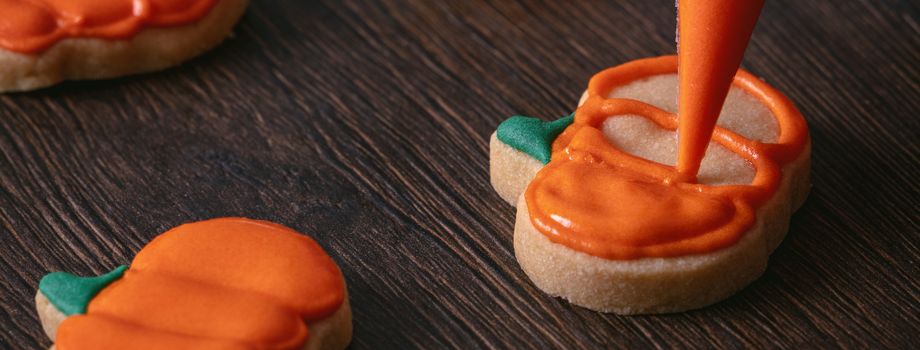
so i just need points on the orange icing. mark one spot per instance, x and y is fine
(597, 199)
(31, 26)
(712, 36)
(227, 283)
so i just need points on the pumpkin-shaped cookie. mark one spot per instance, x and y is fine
(228, 283)
(605, 220)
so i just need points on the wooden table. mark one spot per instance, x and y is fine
(365, 125)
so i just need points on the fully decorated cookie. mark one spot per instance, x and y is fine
(45, 41)
(228, 283)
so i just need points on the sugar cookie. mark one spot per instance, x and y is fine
(43, 42)
(605, 220)
(228, 283)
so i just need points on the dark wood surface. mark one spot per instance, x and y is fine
(365, 124)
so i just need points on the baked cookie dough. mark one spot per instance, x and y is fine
(44, 42)
(228, 283)
(616, 228)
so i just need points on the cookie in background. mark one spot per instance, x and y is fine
(44, 42)
(229, 283)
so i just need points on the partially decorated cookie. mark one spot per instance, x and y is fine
(43, 42)
(229, 283)
(605, 220)
(669, 188)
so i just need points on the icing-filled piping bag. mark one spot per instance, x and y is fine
(711, 38)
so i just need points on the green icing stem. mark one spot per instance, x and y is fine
(71, 294)
(531, 135)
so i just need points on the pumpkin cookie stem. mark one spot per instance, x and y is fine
(531, 135)
(71, 294)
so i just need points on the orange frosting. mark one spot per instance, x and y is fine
(227, 283)
(712, 36)
(597, 199)
(31, 26)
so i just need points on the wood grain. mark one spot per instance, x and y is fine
(365, 125)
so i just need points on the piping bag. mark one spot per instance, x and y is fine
(711, 38)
